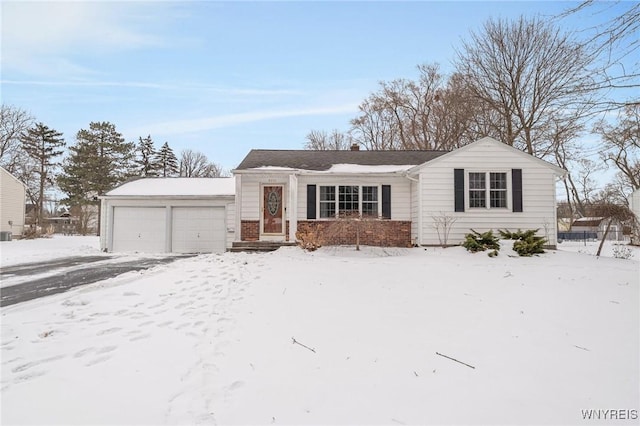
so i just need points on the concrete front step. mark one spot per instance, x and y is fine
(259, 246)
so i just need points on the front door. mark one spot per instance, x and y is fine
(272, 209)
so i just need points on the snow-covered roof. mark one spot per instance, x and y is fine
(589, 219)
(324, 160)
(176, 187)
(345, 168)
(360, 168)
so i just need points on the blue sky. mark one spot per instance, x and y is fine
(225, 77)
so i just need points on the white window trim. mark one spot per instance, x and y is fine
(337, 200)
(487, 189)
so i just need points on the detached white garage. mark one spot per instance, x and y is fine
(169, 215)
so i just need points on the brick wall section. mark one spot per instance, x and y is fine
(381, 233)
(250, 230)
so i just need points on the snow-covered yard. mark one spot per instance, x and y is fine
(210, 339)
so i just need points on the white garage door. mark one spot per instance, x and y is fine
(198, 230)
(141, 229)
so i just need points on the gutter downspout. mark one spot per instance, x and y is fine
(293, 207)
(419, 182)
(238, 202)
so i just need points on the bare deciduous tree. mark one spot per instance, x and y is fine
(613, 43)
(320, 140)
(195, 164)
(429, 113)
(528, 73)
(14, 122)
(611, 212)
(621, 142)
(373, 128)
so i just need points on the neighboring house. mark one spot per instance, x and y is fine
(634, 204)
(402, 194)
(181, 215)
(12, 204)
(595, 226)
(65, 223)
(564, 224)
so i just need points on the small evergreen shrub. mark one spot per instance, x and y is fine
(476, 241)
(517, 235)
(526, 242)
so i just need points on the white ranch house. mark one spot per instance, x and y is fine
(399, 194)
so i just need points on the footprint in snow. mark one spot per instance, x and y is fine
(108, 331)
(11, 361)
(98, 360)
(183, 325)
(106, 349)
(24, 367)
(28, 376)
(83, 352)
(236, 385)
(142, 336)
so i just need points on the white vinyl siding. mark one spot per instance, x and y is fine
(634, 202)
(437, 193)
(12, 203)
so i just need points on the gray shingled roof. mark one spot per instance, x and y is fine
(323, 160)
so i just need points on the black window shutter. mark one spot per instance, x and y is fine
(386, 201)
(311, 201)
(458, 189)
(516, 188)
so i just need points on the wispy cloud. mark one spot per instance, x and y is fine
(228, 120)
(36, 35)
(238, 91)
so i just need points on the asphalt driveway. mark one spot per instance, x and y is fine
(66, 273)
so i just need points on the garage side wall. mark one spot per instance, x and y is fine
(12, 204)
(147, 212)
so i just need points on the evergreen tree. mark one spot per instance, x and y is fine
(148, 162)
(99, 161)
(42, 145)
(167, 161)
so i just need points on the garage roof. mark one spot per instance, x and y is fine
(176, 187)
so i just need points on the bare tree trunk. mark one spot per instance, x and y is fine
(604, 237)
